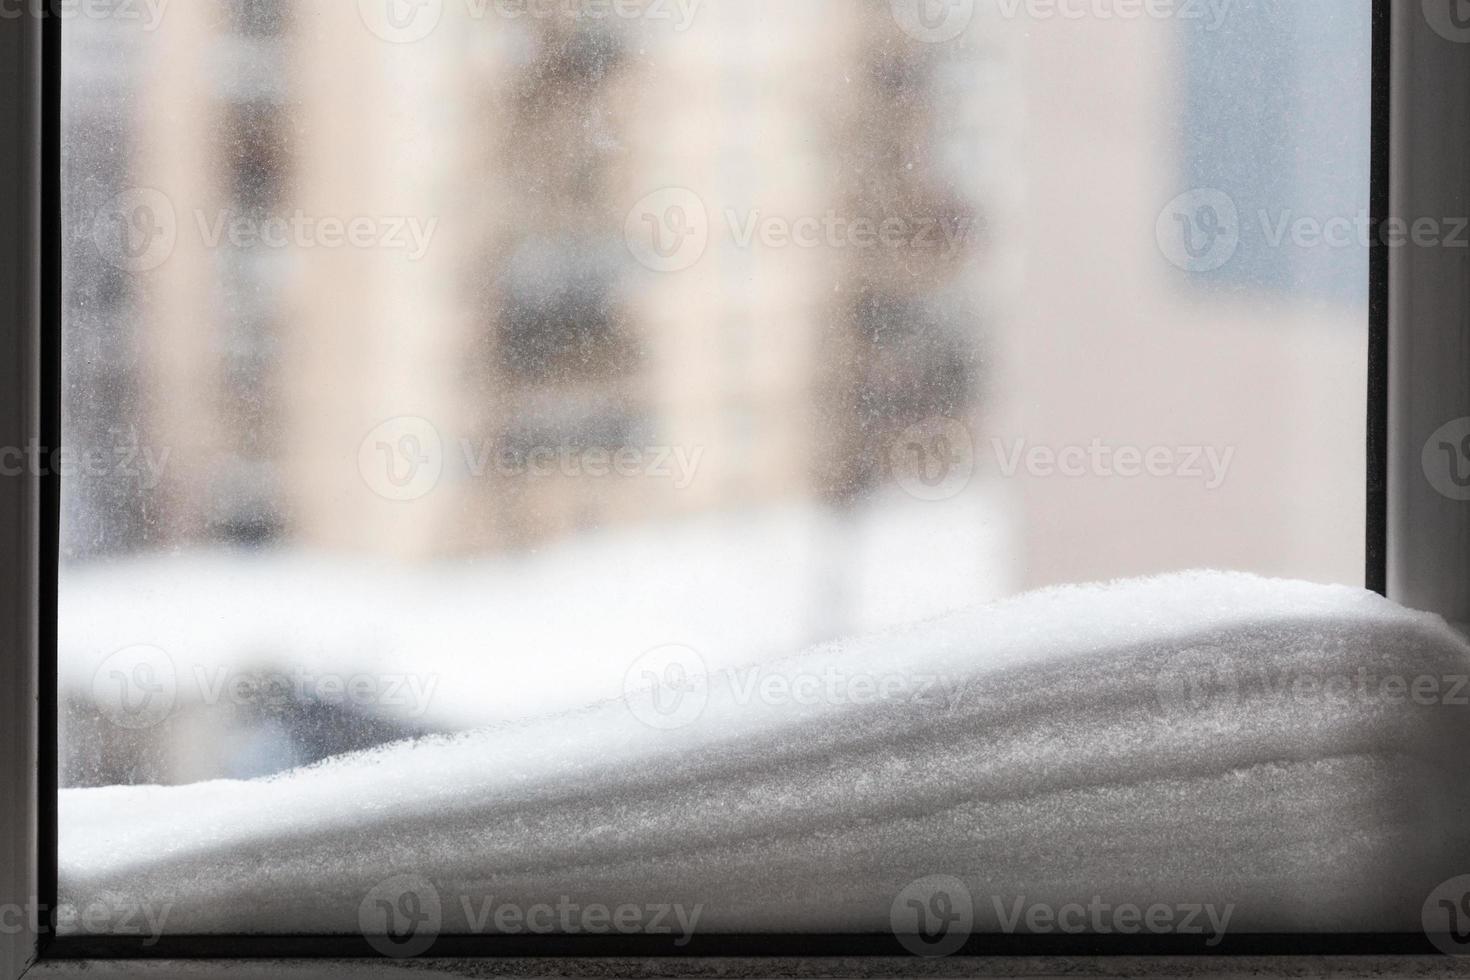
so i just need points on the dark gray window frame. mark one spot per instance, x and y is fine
(1418, 540)
(23, 240)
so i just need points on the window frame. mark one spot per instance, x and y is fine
(1419, 328)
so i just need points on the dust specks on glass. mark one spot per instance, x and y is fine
(434, 365)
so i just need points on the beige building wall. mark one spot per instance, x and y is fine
(1114, 342)
(375, 335)
(735, 340)
(179, 357)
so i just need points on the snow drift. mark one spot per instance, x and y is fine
(1292, 749)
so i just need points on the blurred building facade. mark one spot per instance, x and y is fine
(788, 371)
(527, 324)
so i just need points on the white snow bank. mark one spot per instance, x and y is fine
(465, 644)
(1180, 739)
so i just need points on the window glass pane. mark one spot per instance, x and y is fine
(438, 365)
